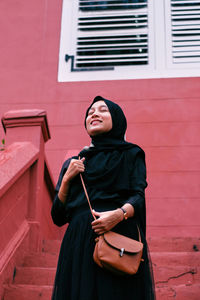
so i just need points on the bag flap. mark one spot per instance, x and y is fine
(119, 241)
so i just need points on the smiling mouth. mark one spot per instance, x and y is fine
(95, 121)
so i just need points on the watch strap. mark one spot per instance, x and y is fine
(125, 213)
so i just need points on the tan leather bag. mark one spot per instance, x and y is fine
(115, 252)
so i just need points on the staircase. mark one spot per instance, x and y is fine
(33, 280)
(176, 264)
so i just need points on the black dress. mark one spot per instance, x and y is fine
(77, 276)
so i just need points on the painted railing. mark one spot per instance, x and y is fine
(26, 189)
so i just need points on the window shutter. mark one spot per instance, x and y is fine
(110, 34)
(185, 31)
(127, 39)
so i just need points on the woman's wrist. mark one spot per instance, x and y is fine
(63, 191)
(66, 180)
(120, 214)
(125, 213)
(128, 210)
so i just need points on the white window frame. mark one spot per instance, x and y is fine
(191, 69)
(160, 49)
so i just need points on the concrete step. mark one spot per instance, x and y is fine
(51, 246)
(175, 275)
(41, 260)
(34, 276)
(46, 259)
(179, 292)
(25, 292)
(173, 244)
(175, 258)
(160, 244)
(163, 275)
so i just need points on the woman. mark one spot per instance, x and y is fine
(115, 175)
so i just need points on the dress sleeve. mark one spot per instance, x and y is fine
(138, 181)
(59, 213)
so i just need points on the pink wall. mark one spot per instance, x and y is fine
(163, 114)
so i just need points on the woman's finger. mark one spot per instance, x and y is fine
(99, 226)
(77, 165)
(96, 224)
(96, 213)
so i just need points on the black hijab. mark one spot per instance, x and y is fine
(110, 160)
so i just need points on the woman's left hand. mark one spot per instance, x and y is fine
(106, 220)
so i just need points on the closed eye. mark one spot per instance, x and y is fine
(102, 108)
(90, 112)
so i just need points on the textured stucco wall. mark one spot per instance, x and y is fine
(163, 114)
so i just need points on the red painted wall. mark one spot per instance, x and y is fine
(163, 114)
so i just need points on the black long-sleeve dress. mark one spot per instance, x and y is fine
(77, 276)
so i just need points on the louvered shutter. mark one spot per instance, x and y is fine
(110, 34)
(185, 31)
(126, 39)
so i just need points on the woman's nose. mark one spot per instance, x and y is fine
(95, 113)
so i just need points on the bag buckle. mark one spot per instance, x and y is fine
(121, 252)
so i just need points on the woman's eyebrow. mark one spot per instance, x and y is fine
(101, 106)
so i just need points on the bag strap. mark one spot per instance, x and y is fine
(90, 206)
(86, 194)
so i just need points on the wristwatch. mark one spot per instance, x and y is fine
(125, 213)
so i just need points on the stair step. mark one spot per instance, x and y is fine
(24, 292)
(163, 275)
(51, 246)
(175, 258)
(179, 292)
(34, 276)
(41, 260)
(175, 275)
(160, 244)
(167, 244)
(158, 258)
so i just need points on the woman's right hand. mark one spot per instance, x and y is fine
(76, 166)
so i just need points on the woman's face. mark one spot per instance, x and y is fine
(99, 119)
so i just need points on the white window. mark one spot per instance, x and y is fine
(124, 39)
